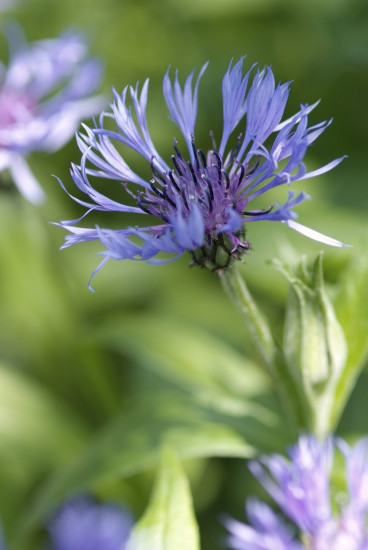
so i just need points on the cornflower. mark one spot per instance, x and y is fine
(300, 487)
(201, 201)
(44, 94)
(6, 4)
(82, 524)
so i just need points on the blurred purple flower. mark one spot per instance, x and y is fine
(4, 6)
(44, 94)
(2, 544)
(202, 200)
(81, 524)
(301, 488)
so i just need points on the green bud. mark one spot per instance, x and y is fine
(220, 253)
(314, 344)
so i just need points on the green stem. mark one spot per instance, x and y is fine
(257, 326)
(265, 344)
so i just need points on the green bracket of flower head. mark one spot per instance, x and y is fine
(314, 344)
(169, 521)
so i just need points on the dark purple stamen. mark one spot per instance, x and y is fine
(203, 157)
(193, 173)
(258, 212)
(227, 178)
(236, 149)
(218, 158)
(178, 153)
(166, 197)
(184, 197)
(209, 183)
(198, 166)
(241, 175)
(210, 198)
(176, 164)
(155, 172)
(155, 190)
(143, 207)
(172, 179)
(253, 169)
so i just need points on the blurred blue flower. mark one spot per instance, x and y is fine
(2, 544)
(4, 6)
(301, 488)
(202, 199)
(44, 93)
(82, 524)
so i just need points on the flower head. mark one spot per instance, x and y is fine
(82, 524)
(301, 488)
(201, 200)
(5, 5)
(44, 93)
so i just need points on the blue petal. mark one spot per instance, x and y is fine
(234, 101)
(183, 105)
(189, 232)
(135, 137)
(233, 224)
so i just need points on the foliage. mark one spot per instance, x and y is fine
(95, 387)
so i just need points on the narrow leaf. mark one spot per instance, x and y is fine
(352, 311)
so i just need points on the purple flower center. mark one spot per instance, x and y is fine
(218, 188)
(15, 108)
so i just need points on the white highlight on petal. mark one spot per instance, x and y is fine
(312, 234)
(305, 110)
(25, 180)
(323, 169)
(4, 160)
(64, 123)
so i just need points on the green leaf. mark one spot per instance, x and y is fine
(133, 443)
(38, 433)
(189, 357)
(169, 520)
(352, 311)
(32, 419)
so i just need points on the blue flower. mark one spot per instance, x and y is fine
(202, 201)
(4, 6)
(44, 93)
(300, 486)
(2, 544)
(82, 524)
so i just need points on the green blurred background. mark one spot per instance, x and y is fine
(63, 377)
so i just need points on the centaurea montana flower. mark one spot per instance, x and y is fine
(4, 6)
(83, 524)
(301, 488)
(44, 94)
(202, 200)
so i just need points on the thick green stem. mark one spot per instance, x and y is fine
(266, 346)
(257, 326)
